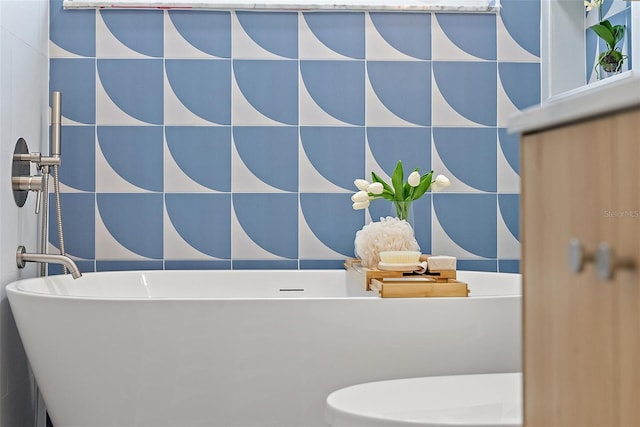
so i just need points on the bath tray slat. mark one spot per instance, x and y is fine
(418, 289)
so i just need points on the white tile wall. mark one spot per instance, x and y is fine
(23, 113)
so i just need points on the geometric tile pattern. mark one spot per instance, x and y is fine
(230, 140)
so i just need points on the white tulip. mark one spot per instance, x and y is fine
(414, 179)
(362, 184)
(361, 205)
(440, 182)
(360, 197)
(376, 188)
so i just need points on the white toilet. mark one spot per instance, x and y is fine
(480, 400)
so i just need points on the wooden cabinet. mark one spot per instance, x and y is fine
(581, 333)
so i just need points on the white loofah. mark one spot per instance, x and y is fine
(389, 234)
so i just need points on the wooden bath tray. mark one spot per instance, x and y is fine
(398, 284)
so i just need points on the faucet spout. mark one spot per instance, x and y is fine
(23, 257)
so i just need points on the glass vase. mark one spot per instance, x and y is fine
(404, 211)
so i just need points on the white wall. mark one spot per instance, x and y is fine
(23, 113)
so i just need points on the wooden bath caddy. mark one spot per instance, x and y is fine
(402, 284)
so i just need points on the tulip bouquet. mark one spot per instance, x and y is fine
(400, 193)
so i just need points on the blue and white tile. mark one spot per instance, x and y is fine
(271, 154)
(378, 48)
(108, 180)
(108, 247)
(267, 232)
(76, 80)
(108, 113)
(508, 162)
(519, 30)
(398, 36)
(209, 171)
(465, 225)
(78, 158)
(184, 236)
(243, 46)
(464, 36)
(476, 170)
(331, 158)
(108, 45)
(311, 247)
(333, 222)
(518, 88)
(407, 97)
(442, 113)
(466, 90)
(197, 92)
(243, 113)
(508, 214)
(506, 107)
(443, 48)
(176, 180)
(311, 114)
(71, 34)
(508, 48)
(311, 47)
(244, 180)
(337, 87)
(331, 35)
(176, 113)
(265, 92)
(77, 222)
(377, 113)
(197, 34)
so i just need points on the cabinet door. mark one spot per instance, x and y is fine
(580, 333)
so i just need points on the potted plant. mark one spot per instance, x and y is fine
(610, 60)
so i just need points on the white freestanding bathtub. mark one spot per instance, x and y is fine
(245, 348)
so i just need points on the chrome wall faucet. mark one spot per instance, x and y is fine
(22, 257)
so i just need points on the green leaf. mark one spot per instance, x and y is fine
(425, 183)
(618, 33)
(396, 180)
(605, 33)
(385, 186)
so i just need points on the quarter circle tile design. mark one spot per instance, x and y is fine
(409, 33)
(510, 146)
(203, 86)
(342, 32)
(275, 32)
(78, 223)
(335, 152)
(74, 31)
(134, 153)
(521, 82)
(269, 220)
(477, 167)
(185, 210)
(510, 212)
(134, 220)
(470, 88)
(403, 88)
(207, 31)
(78, 157)
(337, 87)
(410, 145)
(332, 219)
(211, 166)
(270, 153)
(139, 30)
(522, 21)
(75, 79)
(474, 33)
(118, 76)
(271, 87)
(470, 220)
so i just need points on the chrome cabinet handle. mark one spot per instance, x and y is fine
(605, 261)
(577, 257)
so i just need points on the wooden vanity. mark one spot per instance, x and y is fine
(580, 234)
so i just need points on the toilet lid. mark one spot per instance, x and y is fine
(480, 400)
